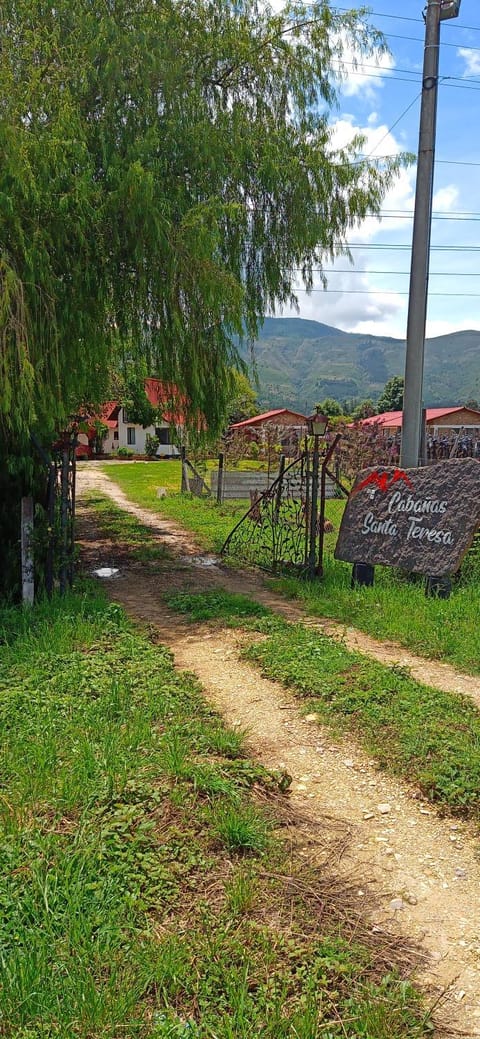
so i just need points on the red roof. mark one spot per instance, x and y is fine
(107, 410)
(390, 419)
(161, 394)
(267, 417)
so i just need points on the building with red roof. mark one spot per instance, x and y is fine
(440, 421)
(122, 431)
(277, 417)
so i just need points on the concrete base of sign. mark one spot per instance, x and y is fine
(363, 574)
(438, 587)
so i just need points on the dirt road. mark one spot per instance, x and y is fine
(425, 869)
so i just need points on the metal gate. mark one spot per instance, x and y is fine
(284, 528)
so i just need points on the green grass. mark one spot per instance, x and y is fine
(135, 893)
(130, 536)
(429, 737)
(393, 609)
(211, 523)
(396, 610)
(215, 605)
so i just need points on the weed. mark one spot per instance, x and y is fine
(229, 743)
(241, 828)
(241, 892)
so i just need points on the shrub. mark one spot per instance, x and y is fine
(151, 445)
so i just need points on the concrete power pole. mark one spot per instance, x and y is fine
(436, 12)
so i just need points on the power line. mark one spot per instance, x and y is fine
(392, 127)
(401, 18)
(451, 82)
(450, 162)
(404, 274)
(418, 39)
(409, 216)
(405, 247)
(387, 292)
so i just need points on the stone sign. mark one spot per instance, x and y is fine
(422, 520)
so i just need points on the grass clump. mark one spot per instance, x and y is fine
(215, 605)
(135, 899)
(241, 829)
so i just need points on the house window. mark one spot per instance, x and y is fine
(163, 434)
(131, 435)
(126, 418)
(115, 435)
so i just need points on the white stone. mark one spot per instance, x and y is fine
(384, 809)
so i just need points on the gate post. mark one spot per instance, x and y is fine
(28, 580)
(221, 463)
(312, 555)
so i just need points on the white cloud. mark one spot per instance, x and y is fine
(446, 199)
(471, 59)
(360, 77)
(443, 328)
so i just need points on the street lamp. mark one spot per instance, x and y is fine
(317, 424)
(317, 427)
(449, 9)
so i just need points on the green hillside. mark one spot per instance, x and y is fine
(300, 362)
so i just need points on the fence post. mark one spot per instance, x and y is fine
(278, 497)
(185, 487)
(26, 540)
(50, 561)
(64, 519)
(323, 495)
(221, 463)
(71, 540)
(321, 521)
(312, 555)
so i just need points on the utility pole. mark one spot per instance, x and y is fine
(436, 12)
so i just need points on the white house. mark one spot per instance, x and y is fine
(123, 432)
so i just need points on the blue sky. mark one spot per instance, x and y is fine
(375, 100)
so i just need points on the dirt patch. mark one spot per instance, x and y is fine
(425, 870)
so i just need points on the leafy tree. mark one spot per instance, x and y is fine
(330, 407)
(392, 396)
(243, 402)
(472, 403)
(166, 167)
(365, 409)
(135, 400)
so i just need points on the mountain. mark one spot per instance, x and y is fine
(301, 362)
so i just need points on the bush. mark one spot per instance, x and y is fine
(151, 445)
(125, 452)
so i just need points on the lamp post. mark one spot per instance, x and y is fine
(317, 427)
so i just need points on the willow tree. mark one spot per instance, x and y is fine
(167, 168)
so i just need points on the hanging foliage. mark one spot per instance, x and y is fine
(166, 169)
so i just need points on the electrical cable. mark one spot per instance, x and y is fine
(386, 292)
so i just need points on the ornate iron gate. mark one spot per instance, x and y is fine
(283, 530)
